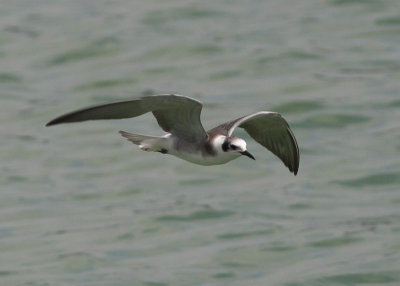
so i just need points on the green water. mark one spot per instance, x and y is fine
(79, 205)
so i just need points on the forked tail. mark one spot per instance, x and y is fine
(145, 142)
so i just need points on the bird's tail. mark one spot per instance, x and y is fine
(145, 142)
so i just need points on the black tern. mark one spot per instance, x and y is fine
(186, 138)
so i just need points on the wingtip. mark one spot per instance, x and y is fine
(294, 169)
(52, 122)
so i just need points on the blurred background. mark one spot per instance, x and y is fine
(79, 205)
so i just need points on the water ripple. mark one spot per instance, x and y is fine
(363, 278)
(198, 215)
(332, 120)
(373, 180)
(97, 48)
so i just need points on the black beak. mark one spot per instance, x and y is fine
(247, 154)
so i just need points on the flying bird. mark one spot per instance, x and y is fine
(185, 138)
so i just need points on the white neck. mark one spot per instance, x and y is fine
(217, 142)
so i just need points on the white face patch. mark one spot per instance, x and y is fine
(239, 143)
(229, 145)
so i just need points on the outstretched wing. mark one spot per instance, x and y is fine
(272, 131)
(176, 114)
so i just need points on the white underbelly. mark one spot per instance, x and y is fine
(198, 158)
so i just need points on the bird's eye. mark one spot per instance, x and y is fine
(233, 147)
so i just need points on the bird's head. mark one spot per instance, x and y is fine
(235, 144)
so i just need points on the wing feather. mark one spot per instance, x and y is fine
(179, 115)
(272, 131)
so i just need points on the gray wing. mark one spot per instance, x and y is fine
(272, 131)
(176, 114)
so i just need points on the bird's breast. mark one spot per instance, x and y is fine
(202, 153)
(202, 159)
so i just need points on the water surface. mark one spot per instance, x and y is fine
(81, 206)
